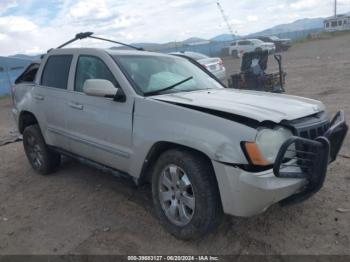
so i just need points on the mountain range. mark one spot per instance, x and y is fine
(26, 57)
(298, 25)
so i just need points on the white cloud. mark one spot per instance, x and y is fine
(121, 22)
(276, 8)
(16, 24)
(3, 36)
(37, 26)
(252, 18)
(7, 4)
(293, 17)
(180, 3)
(235, 22)
(33, 51)
(305, 4)
(90, 10)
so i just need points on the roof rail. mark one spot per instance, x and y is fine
(84, 35)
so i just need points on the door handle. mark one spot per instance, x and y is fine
(76, 106)
(39, 97)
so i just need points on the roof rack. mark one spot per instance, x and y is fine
(84, 35)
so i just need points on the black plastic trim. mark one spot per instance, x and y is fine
(94, 164)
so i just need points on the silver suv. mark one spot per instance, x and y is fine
(205, 149)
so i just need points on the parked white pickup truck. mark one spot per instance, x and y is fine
(240, 47)
(205, 149)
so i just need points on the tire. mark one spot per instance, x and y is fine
(207, 211)
(258, 49)
(234, 54)
(43, 160)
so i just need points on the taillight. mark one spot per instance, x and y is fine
(221, 63)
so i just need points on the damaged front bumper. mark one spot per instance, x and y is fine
(311, 158)
(292, 179)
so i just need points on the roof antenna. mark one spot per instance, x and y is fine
(84, 35)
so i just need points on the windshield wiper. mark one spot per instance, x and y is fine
(168, 88)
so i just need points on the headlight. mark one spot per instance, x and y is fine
(268, 142)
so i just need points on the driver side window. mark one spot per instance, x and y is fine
(90, 67)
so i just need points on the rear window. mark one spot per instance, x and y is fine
(56, 71)
(29, 74)
(257, 41)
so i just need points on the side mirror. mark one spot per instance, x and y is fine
(100, 88)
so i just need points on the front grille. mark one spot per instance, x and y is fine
(309, 127)
(313, 161)
(312, 132)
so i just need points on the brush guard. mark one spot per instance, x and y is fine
(309, 159)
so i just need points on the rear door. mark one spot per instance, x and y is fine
(100, 128)
(51, 96)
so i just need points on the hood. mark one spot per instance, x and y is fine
(260, 106)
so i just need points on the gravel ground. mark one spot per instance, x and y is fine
(80, 210)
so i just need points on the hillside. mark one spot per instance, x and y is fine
(298, 25)
(224, 37)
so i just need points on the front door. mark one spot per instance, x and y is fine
(100, 128)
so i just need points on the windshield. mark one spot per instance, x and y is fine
(153, 73)
(274, 38)
(257, 41)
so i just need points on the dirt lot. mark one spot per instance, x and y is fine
(80, 210)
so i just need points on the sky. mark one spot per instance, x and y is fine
(34, 26)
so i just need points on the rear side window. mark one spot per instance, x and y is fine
(29, 74)
(243, 43)
(56, 71)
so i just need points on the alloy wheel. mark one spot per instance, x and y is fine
(176, 195)
(34, 151)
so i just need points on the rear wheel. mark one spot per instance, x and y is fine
(185, 194)
(42, 159)
(234, 54)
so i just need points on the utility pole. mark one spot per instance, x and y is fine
(335, 8)
(225, 19)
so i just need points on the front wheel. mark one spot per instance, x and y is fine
(185, 194)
